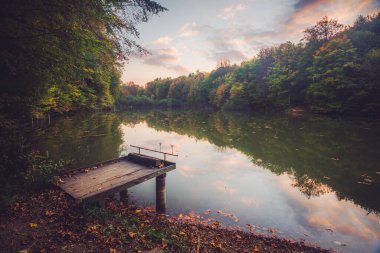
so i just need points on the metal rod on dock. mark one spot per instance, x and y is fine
(165, 153)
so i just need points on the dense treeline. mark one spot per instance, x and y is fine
(60, 56)
(334, 69)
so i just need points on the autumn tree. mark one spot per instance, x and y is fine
(66, 55)
(323, 31)
(334, 73)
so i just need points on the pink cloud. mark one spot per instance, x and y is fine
(229, 12)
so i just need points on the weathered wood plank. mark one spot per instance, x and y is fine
(105, 184)
(129, 182)
(101, 174)
(110, 178)
(144, 160)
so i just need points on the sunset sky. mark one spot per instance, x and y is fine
(194, 35)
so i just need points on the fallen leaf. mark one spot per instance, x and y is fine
(364, 183)
(49, 213)
(33, 225)
(368, 180)
(59, 181)
(132, 235)
(155, 250)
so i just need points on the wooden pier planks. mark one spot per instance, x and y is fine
(109, 179)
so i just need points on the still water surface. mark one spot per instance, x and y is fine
(309, 177)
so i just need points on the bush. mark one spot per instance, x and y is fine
(134, 101)
(40, 170)
(169, 102)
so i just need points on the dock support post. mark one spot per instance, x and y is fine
(161, 193)
(102, 202)
(124, 197)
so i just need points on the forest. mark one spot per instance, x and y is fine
(333, 69)
(61, 56)
(64, 56)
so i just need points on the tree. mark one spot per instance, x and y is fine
(283, 79)
(334, 74)
(323, 31)
(49, 45)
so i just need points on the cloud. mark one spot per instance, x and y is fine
(226, 44)
(179, 69)
(328, 212)
(249, 201)
(308, 12)
(189, 171)
(229, 12)
(304, 15)
(300, 4)
(231, 54)
(162, 56)
(167, 58)
(191, 29)
(223, 186)
(162, 41)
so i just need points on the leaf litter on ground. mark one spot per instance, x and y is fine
(63, 225)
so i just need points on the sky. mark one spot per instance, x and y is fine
(194, 34)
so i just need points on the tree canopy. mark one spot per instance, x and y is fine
(59, 56)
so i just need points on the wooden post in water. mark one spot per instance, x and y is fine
(124, 197)
(161, 194)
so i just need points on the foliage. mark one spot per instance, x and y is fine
(41, 171)
(134, 101)
(27, 162)
(332, 70)
(65, 55)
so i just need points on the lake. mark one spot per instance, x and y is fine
(309, 178)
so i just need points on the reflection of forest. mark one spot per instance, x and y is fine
(80, 140)
(322, 154)
(83, 139)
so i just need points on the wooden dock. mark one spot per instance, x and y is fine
(98, 181)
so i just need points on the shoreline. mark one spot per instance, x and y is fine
(50, 221)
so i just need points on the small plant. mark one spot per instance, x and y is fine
(108, 229)
(40, 170)
(154, 235)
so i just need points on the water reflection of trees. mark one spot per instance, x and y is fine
(322, 154)
(82, 139)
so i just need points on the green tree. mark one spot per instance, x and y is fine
(283, 79)
(333, 73)
(51, 48)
